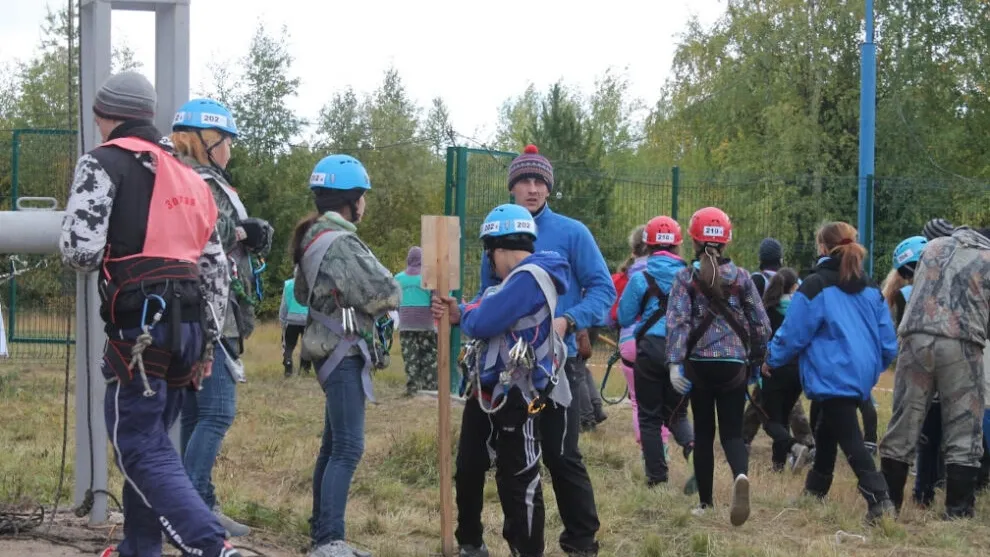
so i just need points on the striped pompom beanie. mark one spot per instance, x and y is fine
(531, 164)
(937, 228)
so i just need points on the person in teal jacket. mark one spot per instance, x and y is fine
(643, 305)
(292, 315)
(417, 331)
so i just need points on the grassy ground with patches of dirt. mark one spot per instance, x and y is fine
(264, 478)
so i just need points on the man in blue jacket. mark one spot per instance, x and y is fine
(589, 296)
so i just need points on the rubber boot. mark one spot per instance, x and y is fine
(895, 473)
(817, 484)
(873, 486)
(960, 491)
(287, 364)
(983, 479)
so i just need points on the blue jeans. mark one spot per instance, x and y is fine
(207, 414)
(342, 448)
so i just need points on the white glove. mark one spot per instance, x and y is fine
(677, 379)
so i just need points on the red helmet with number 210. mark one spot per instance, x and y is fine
(662, 231)
(711, 225)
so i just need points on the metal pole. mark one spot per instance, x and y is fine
(91, 431)
(867, 131)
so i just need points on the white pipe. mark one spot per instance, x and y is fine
(34, 232)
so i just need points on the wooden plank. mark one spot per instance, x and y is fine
(441, 246)
(430, 226)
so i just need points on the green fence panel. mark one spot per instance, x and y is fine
(39, 293)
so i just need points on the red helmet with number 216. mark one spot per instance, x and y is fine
(711, 225)
(662, 231)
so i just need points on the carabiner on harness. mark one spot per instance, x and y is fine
(144, 340)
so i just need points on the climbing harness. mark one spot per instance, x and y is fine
(144, 340)
(612, 360)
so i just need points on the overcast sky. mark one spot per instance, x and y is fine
(473, 54)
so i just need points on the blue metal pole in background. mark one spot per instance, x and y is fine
(867, 131)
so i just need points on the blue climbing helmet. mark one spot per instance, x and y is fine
(909, 251)
(339, 172)
(506, 220)
(204, 114)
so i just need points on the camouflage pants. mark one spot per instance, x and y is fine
(753, 418)
(419, 352)
(954, 368)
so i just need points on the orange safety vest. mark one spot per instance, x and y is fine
(181, 218)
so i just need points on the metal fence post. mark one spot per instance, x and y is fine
(457, 172)
(15, 155)
(675, 190)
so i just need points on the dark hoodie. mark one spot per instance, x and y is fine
(840, 331)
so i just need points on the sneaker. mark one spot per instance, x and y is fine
(473, 551)
(799, 457)
(739, 512)
(700, 510)
(233, 528)
(336, 548)
(229, 551)
(358, 552)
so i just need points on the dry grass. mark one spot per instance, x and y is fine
(264, 477)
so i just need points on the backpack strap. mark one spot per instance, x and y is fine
(653, 290)
(717, 307)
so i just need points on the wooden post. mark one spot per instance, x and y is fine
(441, 273)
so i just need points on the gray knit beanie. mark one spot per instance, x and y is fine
(126, 96)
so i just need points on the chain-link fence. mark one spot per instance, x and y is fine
(37, 293)
(789, 208)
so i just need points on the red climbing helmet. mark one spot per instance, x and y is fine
(711, 225)
(662, 231)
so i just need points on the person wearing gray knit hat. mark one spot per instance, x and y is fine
(937, 228)
(126, 96)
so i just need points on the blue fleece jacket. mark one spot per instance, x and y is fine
(495, 312)
(590, 291)
(841, 332)
(662, 266)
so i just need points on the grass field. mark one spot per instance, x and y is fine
(264, 477)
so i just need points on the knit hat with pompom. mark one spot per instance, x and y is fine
(531, 164)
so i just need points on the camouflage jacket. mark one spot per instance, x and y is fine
(240, 318)
(83, 240)
(349, 276)
(951, 295)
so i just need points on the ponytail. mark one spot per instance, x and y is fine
(839, 241)
(709, 254)
(298, 235)
(891, 285)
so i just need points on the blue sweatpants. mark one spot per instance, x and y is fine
(158, 495)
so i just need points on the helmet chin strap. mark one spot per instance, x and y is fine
(209, 154)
